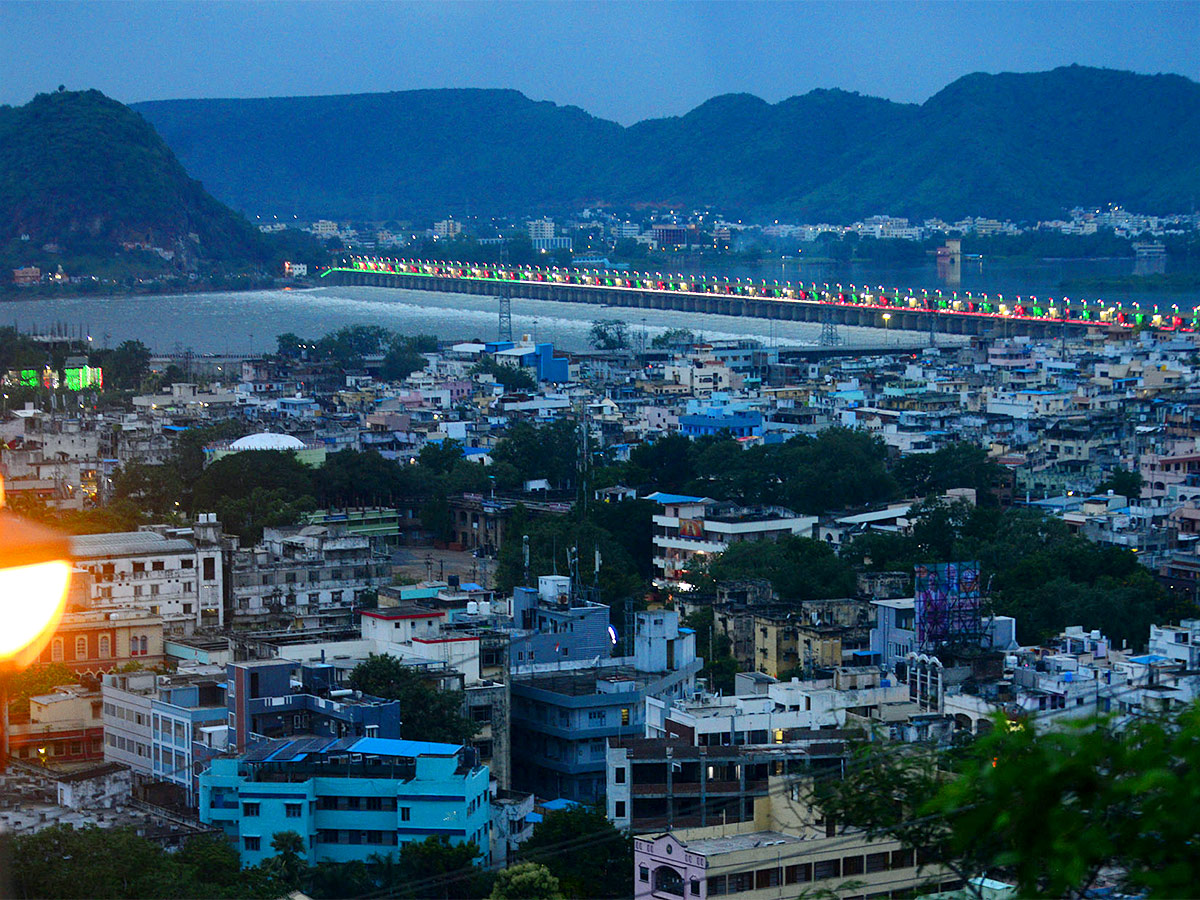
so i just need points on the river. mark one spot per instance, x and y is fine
(244, 322)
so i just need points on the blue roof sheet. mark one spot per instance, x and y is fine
(660, 497)
(391, 747)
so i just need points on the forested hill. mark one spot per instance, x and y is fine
(1025, 146)
(84, 172)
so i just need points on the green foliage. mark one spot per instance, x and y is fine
(85, 172)
(1048, 809)
(115, 863)
(428, 714)
(547, 451)
(525, 881)
(720, 667)
(256, 488)
(402, 359)
(588, 855)
(609, 334)
(798, 568)
(550, 539)
(1124, 482)
(125, 367)
(836, 469)
(959, 465)
(1035, 568)
(512, 378)
(674, 337)
(34, 681)
(348, 345)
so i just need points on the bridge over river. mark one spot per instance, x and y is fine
(863, 306)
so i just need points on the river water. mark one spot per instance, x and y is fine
(244, 322)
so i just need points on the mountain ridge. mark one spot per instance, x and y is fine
(1014, 145)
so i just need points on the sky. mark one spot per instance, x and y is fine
(624, 61)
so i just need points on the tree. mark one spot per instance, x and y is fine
(1049, 809)
(959, 465)
(436, 868)
(401, 360)
(428, 714)
(1124, 482)
(609, 334)
(127, 365)
(588, 855)
(799, 568)
(288, 863)
(674, 337)
(525, 881)
(511, 378)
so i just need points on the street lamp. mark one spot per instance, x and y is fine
(35, 571)
(887, 339)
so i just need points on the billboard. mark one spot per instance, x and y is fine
(947, 603)
(691, 528)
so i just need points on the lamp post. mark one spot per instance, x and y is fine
(887, 334)
(35, 571)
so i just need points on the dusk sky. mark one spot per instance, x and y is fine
(622, 61)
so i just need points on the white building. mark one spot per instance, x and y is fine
(176, 573)
(691, 526)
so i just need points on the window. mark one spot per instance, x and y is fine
(624, 715)
(852, 865)
(56, 650)
(187, 564)
(251, 843)
(405, 813)
(374, 804)
(250, 810)
(210, 568)
(81, 647)
(481, 714)
(902, 859)
(292, 810)
(620, 810)
(877, 862)
(643, 873)
(827, 868)
(145, 645)
(158, 565)
(139, 568)
(105, 645)
(619, 775)
(766, 878)
(694, 888)
(716, 886)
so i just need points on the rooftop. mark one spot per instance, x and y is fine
(735, 842)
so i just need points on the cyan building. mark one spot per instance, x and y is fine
(349, 798)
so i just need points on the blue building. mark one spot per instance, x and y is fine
(738, 425)
(183, 708)
(348, 799)
(557, 623)
(541, 358)
(563, 716)
(265, 699)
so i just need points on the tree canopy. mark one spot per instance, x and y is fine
(428, 714)
(588, 855)
(1047, 809)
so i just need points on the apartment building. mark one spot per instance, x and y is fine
(175, 573)
(349, 798)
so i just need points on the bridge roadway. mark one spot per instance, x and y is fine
(792, 303)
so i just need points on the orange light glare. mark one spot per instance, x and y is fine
(32, 599)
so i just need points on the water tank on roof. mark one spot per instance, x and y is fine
(485, 608)
(472, 608)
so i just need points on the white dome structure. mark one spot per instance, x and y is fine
(267, 440)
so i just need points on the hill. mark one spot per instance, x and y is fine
(1024, 146)
(86, 173)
